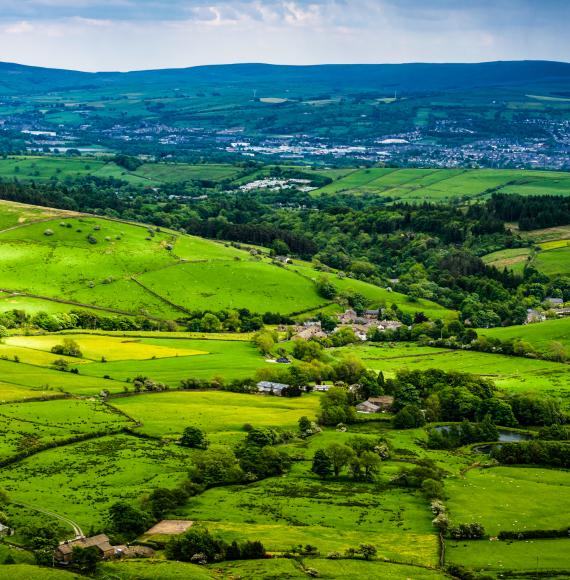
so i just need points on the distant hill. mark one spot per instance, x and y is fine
(411, 78)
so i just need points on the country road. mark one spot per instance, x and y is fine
(77, 530)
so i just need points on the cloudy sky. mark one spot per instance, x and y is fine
(143, 34)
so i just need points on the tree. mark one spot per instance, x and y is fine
(195, 541)
(340, 456)
(368, 551)
(370, 462)
(210, 323)
(194, 438)
(217, 465)
(126, 520)
(264, 341)
(432, 489)
(85, 560)
(325, 288)
(322, 464)
(409, 417)
(304, 425)
(68, 348)
(280, 248)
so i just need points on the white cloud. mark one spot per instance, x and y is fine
(22, 27)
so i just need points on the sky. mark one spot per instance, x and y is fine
(95, 35)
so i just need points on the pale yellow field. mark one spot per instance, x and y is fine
(112, 348)
(33, 356)
(555, 244)
(10, 392)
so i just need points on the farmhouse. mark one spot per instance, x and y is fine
(64, 551)
(384, 325)
(348, 317)
(562, 312)
(385, 402)
(554, 301)
(271, 388)
(533, 316)
(310, 332)
(367, 407)
(322, 388)
(372, 314)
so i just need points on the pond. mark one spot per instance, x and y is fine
(505, 435)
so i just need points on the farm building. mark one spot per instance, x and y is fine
(64, 551)
(385, 402)
(271, 388)
(373, 314)
(367, 407)
(310, 332)
(554, 301)
(283, 360)
(533, 316)
(6, 531)
(348, 316)
(322, 388)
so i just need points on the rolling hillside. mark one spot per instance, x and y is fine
(68, 260)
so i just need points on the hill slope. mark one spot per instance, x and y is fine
(411, 77)
(138, 270)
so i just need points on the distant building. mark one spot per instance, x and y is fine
(367, 407)
(6, 531)
(64, 551)
(348, 317)
(283, 360)
(374, 314)
(385, 402)
(554, 301)
(322, 388)
(270, 388)
(533, 316)
(562, 312)
(310, 332)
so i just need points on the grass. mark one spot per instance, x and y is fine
(539, 335)
(220, 414)
(30, 572)
(95, 347)
(214, 285)
(28, 425)
(498, 557)
(333, 516)
(81, 481)
(154, 569)
(514, 259)
(443, 185)
(514, 374)
(230, 359)
(500, 498)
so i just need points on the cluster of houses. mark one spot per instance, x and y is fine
(360, 324)
(556, 305)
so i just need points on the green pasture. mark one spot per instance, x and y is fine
(514, 374)
(26, 426)
(220, 414)
(31, 572)
(155, 569)
(510, 498)
(514, 259)
(14, 214)
(418, 185)
(229, 359)
(46, 382)
(532, 556)
(45, 168)
(180, 172)
(215, 285)
(553, 261)
(332, 516)
(82, 480)
(540, 335)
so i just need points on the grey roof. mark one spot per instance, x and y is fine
(269, 385)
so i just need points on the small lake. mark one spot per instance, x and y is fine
(505, 435)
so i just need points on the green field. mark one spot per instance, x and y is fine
(514, 374)
(83, 481)
(540, 335)
(222, 415)
(442, 185)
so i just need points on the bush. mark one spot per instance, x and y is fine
(472, 531)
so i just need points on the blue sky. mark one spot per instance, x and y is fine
(142, 34)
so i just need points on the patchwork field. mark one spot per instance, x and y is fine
(418, 185)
